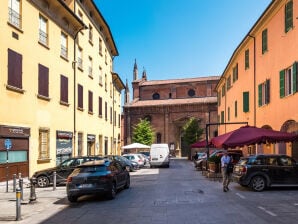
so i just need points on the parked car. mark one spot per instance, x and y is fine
(136, 158)
(45, 177)
(130, 165)
(261, 171)
(97, 177)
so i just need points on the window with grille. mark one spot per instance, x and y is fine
(64, 49)
(14, 15)
(44, 148)
(90, 67)
(80, 58)
(43, 30)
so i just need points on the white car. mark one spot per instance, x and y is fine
(136, 158)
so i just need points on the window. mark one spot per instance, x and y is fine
(64, 49)
(229, 82)
(80, 58)
(115, 117)
(245, 101)
(222, 116)
(235, 73)
(99, 106)
(106, 56)
(236, 109)
(63, 89)
(228, 113)
(264, 93)
(100, 46)
(90, 34)
(119, 120)
(14, 15)
(90, 102)
(14, 69)
(43, 30)
(43, 81)
(80, 97)
(264, 41)
(100, 76)
(156, 96)
(191, 93)
(106, 84)
(111, 89)
(219, 98)
(223, 90)
(90, 67)
(289, 16)
(44, 148)
(111, 115)
(80, 144)
(288, 81)
(158, 138)
(246, 60)
(106, 111)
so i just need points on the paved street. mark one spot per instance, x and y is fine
(176, 195)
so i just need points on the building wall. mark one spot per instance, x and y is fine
(26, 110)
(279, 113)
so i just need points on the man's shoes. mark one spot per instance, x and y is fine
(225, 189)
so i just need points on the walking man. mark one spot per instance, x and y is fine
(225, 160)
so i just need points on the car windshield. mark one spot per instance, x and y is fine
(91, 169)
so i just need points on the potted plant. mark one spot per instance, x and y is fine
(213, 164)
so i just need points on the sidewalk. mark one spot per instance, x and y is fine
(48, 202)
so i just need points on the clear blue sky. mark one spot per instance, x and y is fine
(177, 38)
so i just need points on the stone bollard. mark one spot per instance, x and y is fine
(32, 197)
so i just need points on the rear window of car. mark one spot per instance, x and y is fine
(91, 169)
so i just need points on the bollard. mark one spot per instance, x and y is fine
(14, 178)
(54, 180)
(18, 204)
(20, 175)
(21, 187)
(32, 190)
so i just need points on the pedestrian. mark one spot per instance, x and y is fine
(196, 156)
(226, 175)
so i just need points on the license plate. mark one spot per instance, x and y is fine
(85, 185)
(154, 158)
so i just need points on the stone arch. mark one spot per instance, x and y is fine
(290, 126)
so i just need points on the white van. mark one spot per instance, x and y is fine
(159, 155)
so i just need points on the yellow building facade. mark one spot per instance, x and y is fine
(59, 95)
(259, 83)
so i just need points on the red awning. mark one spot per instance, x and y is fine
(199, 144)
(249, 135)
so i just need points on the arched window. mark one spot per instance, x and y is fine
(158, 138)
(191, 92)
(156, 96)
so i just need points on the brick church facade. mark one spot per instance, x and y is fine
(168, 104)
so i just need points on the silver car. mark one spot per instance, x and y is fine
(136, 158)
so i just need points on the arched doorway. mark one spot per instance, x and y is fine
(290, 126)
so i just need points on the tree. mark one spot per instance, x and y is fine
(192, 131)
(143, 132)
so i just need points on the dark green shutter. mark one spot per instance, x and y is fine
(282, 83)
(236, 108)
(267, 91)
(247, 59)
(222, 117)
(295, 77)
(289, 16)
(264, 41)
(245, 101)
(260, 95)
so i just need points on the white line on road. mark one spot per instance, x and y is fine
(240, 195)
(268, 212)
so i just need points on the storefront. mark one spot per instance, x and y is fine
(63, 146)
(14, 151)
(90, 145)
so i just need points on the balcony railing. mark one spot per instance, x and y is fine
(43, 37)
(14, 18)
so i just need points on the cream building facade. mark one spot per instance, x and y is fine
(259, 83)
(59, 95)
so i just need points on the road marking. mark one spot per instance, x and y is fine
(240, 195)
(268, 212)
(295, 204)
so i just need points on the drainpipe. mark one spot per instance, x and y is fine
(255, 112)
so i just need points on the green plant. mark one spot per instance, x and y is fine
(214, 159)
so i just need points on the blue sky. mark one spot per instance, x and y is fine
(177, 38)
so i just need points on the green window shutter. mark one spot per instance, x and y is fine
(236, 108)
(260, 95)
(245, 101)
(289, 16)
(267, 92)
(264, 41)
(295, 77)
(247, 59)
(222, 117)
(282, 83)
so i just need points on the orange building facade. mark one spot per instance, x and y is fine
(259, 83)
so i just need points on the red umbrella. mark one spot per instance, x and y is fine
(199, 144)
(248, 135)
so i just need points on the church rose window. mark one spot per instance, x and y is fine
(191, 92)
(155, 96)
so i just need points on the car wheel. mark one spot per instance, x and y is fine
(42, 181)
(258, 183)
(72, 198)
(127, 185)
(113, 191)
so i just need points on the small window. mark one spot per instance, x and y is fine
(14, 15)
(156, 96)
(191, 93)
(289, 16)
(235, 73)
(246, 60)
(264, 93)
(264, 41)
(43, 30)
(245, 102)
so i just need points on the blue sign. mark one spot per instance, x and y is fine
(7, 144)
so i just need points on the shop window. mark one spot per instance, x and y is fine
(44, 148)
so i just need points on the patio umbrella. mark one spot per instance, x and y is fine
(136, 146)
(248, 135)
(199, 144)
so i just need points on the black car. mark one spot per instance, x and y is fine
(97, 177)
(261, 171)
(45, 177)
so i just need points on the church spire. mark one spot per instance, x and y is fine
(135, 70)
(144, 75)
(127, 96)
